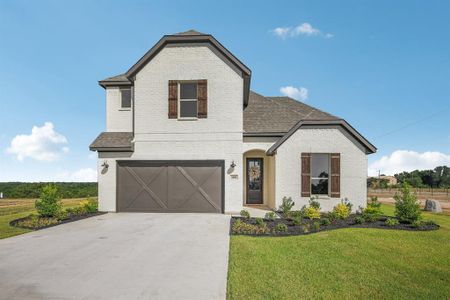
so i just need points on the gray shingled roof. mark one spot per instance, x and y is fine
(190, 32)
(113, 141)
(278, 114)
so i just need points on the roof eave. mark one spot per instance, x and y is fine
(370, 148)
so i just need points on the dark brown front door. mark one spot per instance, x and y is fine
(254, 180)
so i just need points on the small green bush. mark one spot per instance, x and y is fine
(314, 202)
(49, 203)
(286, 205)
(391, 222)
(297, 221)
(369, 217)
(36, 222)
(359, 220)
(281, 227)
(91, 205)
(374, 204)
(240, 227)
(270, 216)
(305, 228)
(316, 226)
(259, 222)
(331, 216)
(325, 221)
(311, 213)
(429, 222)
(407, 208)
(245, 214)
(342, 211)
(296, 214)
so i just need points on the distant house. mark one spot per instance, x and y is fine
(184, 133)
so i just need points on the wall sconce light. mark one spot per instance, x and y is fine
(233, 164)
(105, 166)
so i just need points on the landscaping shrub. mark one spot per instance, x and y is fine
(297, 220)
(90, 205)
(391, 222)
(240, 227)
(286, 206)
(296, 214)
(407, 208)
(369, 217)
(259, 222)
(316, 226)
(245, 214)
(35, 222)
(331, 216)
(270, 216)
(342, 210)
(49, 203)
(325, 221)
(313, 202)
(281, 227)
(374, 204)
(311, 213)
(429, 222)
(305, 228)
(359, 220)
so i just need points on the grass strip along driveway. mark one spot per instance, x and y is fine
(12, 209)
(343, 264)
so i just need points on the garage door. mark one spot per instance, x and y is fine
(169, 186)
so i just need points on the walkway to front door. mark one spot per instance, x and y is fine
(254, 167)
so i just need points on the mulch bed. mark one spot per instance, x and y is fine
(70, 218)
(293, 229)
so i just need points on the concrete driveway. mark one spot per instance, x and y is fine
(119, 256)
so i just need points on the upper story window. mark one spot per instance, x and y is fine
(125, 96)
(187, 100)
(320, 170)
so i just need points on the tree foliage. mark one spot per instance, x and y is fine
(34, 189)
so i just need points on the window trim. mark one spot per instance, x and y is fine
(311, 178)
(122, 108)
(179, 100)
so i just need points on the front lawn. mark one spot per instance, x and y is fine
(12, 209)
(343, 264)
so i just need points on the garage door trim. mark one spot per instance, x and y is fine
(202, 163)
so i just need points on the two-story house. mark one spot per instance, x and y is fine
(184, 133)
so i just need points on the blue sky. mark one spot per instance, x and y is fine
(384, 66)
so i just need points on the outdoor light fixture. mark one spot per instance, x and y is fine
(233, 164)
(105, 166)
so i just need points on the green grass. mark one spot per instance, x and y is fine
(343, 264)
(19, 208)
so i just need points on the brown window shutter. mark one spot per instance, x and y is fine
(306, 175)
(335, 175)
(202, 94)
(173, 99)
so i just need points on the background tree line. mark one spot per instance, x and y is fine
(34, 189)
(437, 178)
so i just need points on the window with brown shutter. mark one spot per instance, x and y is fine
(202, 87)
(173, 99)
(335, 175)
(306, 175)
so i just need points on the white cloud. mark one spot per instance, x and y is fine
(305, 29)
(43, 144)
(82, 175)
(403, 160)
(300, 93)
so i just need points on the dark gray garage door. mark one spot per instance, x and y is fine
(174, 186)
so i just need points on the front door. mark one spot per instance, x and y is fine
(254, 181)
